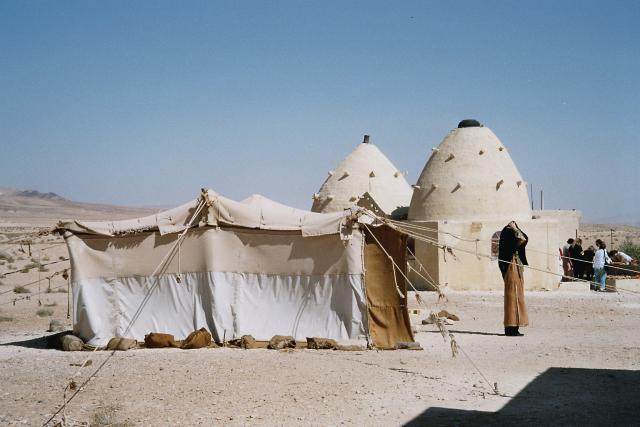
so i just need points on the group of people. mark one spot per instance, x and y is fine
(590, 264)
(576, 262)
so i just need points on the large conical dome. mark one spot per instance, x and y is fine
(470, 176)
(365, 170)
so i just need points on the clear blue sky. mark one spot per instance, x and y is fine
(143, 103)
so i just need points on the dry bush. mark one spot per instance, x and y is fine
(46, 258)
(107, 416)
(6, 319)
(43, 312)
(21, 290)
(631, 249)
(52, 304)
(7, 258)
(28, 267)
(43, 268)
(62, 290)
(61, 258)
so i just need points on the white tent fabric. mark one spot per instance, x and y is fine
(253, 267)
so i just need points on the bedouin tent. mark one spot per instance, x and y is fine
(254, 267)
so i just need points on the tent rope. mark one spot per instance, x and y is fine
(395, 279)
(402, 225)
(39, 265)
(51, 276)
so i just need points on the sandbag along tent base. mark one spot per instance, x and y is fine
(254, 267)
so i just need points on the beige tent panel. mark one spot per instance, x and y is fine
(226, 249)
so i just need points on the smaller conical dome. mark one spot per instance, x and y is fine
(365, 170)
(470, 176)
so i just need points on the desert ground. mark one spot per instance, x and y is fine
(578, 363)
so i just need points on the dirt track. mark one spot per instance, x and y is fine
(596, 332)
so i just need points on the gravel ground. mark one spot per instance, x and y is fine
(576, 365)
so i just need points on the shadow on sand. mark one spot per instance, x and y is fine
(44, 342)
(557, 397)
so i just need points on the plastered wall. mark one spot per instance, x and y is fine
(463, 270)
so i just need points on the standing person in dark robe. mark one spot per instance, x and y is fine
(588, 262)
(511, 258)
(567, 265)
(576, 255)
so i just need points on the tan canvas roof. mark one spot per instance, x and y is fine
(257, 212)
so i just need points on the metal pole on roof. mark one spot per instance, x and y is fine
(541, 200)
(531, 189)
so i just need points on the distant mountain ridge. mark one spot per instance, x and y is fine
(37, 194)
(36, 206)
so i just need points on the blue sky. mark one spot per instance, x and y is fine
(143, 103)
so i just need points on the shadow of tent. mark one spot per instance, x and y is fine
(558, 397)
(44, 342)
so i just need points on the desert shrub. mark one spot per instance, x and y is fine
(43, 312)
(21, 290)
(62, 290)
(11, 267)
(6, 319)
(25, 270)
(20, 258)
(46, 258)
(61, 258)
(630, 248)
(107, 416)
(52, 304)
(7, 258)
(43, 268)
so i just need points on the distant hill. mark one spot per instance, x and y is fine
(632, 219)
(38, 195)
(33, 206)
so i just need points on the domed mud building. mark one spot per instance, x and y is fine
(366, 177)
(468, 191)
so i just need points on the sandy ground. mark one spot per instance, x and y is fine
(578, 364)
(592, 337)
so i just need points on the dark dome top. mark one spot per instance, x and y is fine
(469, 123)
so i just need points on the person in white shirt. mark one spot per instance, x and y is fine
(600, 260)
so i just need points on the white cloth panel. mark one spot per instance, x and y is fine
(228, 304)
